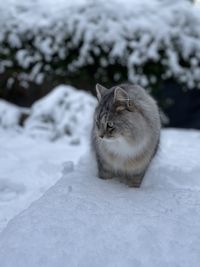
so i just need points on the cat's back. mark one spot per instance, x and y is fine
(145, 104)
(138, 94)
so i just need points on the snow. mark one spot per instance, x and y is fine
(34, 153)
(132, 33)
(85, 221)
(64, 111)
(10, 114)
(29, 167)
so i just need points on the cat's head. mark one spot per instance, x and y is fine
(115, 112)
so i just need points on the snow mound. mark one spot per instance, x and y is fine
(64, 111)
(85, 221)
(11, 115)
(10, 190)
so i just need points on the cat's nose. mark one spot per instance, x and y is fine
(101, 135)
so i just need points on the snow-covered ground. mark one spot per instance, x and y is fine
(85, 221)
(28, 167)
(56, 212)
(32, 157)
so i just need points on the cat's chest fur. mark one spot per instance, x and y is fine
(121, 155)
(119, 147)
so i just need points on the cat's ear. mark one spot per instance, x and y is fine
(120, 95)
(123, 99)
(100, 90)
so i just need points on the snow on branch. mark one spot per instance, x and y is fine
(36, 37)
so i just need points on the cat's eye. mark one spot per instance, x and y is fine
(110, 124)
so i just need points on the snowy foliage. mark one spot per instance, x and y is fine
(63, 112)
(153, 40)
(11, 116)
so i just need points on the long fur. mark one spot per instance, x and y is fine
(127, 149)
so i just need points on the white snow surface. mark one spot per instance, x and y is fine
(28, 167)
(85, 221)
(32, 157)
(10, 114)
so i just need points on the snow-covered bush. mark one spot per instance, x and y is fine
(64, 111)
(11, 116)
(140, 41)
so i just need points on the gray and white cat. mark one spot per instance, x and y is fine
(125, 133)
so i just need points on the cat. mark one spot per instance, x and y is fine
(125, 133)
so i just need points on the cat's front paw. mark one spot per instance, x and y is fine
(135, 181)
(132, 183)
(105, 175)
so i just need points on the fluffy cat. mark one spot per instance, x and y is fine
(126, 132)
